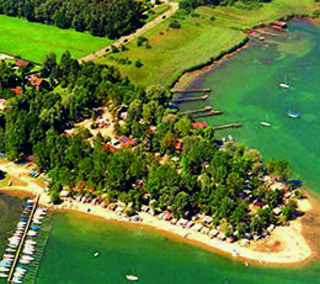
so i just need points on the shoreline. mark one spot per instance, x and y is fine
(294, 247)
(190, 75)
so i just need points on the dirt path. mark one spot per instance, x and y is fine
(173, 9)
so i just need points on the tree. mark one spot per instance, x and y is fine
(289, 209)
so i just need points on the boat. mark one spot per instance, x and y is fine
(31, 242)
(132, 278)
(293, 114)
(4, 269)
(96, 254)
(10, 250)
(27, 257)
(24, 261)
(3, 275)
(284, 86)
(265, 124)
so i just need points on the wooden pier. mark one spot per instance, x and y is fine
(230, 125)
(14, 264)
(206, 108)
(189, 99)
(210, 113)
(206, 90)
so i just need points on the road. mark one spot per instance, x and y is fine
(173, 9)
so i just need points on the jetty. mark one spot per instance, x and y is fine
(230, 125)
(210, 113)
(206, 90)
(189, 99)
(14, 264)
(206, 108)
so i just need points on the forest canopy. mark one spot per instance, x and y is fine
(111, 18)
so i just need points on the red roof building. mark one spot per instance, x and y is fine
(20, 63)
(17, 91)
(199, 124)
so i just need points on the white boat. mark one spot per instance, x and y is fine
(96, 254)
(27, 257)
(265, 124)
(293, 114)
(8, 256)
(3, 275)
(132, 278)
(4, 269)
(284, 86)
(17, 280)
(24, 261)
(10, 250)
(32, 233)
(31, 242)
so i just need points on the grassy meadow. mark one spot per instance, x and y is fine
(203, 35)
(33, 41)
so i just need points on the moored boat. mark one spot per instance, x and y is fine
(3, 275)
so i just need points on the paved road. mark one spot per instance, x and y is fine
(173, 8)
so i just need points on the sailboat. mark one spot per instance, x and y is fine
(293, 114)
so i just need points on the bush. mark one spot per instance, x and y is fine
(174, 25)
(138, 63)
(212, 18)
(114, 49)
(141, 40)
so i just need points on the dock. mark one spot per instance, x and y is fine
(206, 90)
(206, 108)
(210, 113)
(230, 125)
(189, 99)
(264, 32)
(14, 264)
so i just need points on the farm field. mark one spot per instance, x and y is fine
(33, 41)
(203, 35)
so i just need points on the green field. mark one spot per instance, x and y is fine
(32, 41)
(199, 39)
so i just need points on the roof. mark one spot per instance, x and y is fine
(20, 63)
(126, 141)
(199, 124)
(16, 91)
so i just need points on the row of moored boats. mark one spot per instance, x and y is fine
(28, 250)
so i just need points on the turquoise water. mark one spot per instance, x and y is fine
(154, 257)
(247, 89)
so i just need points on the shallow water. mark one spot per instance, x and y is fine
(154, 257)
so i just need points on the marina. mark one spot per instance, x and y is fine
(22, 256)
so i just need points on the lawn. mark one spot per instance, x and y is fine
(32, 41)
(199, 39)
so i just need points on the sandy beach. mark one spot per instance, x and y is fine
(285, 246)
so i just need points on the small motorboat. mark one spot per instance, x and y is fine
(4, 269)
(294, 114)
(265, 124)
(96, 254)
(3, 275)
(132, 278)
(284, 86)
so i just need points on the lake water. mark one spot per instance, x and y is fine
(246, 88)
(154, 257)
